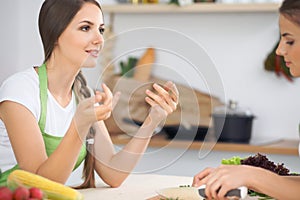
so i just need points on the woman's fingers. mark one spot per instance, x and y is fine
(199, 179)
(108, 95)
(102, 112)
(99, 97)
(219, 181)
(156, 99)
(166, 96)
(109, 101)
(171, 88)
(150, 101)
(116, 98)
(212, 188)
(206, 177)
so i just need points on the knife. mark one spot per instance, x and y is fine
(240, 192)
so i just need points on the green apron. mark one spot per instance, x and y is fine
(51, 142)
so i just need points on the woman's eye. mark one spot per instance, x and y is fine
(101, 30)
(85, 28)
(290, 42)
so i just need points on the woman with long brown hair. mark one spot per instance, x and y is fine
(50, 121)
(227, 177)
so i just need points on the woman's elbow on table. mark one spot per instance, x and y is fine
(113, 178)
(115, 182)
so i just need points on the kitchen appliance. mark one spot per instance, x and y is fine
(232, 123)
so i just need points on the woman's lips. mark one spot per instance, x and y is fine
(94, 53)
(287, 63)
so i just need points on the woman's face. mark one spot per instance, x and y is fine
(82, 40)
(289, 46)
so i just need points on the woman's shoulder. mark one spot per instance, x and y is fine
(21, 80)
(23, 88)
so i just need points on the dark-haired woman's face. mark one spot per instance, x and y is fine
(80, 43)
(289, 46)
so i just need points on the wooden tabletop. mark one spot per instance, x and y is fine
(141, 186)
(282, 146)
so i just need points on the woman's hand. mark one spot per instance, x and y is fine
(103, 111)
(164, 102)
(93, 109)
(223, 179)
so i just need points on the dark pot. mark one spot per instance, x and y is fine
(179, 132)
(233, 128)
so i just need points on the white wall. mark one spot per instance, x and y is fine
(20, 42)
(9, 38)
(237, 45)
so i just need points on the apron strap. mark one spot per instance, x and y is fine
(43, 95)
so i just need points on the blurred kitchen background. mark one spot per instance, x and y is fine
(234, 45)
(237, 44)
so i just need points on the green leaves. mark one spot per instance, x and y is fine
(127, 69)
(235, 160)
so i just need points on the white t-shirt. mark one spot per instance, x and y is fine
(23, 88)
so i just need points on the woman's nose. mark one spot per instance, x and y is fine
(280, 49)
(98, 38)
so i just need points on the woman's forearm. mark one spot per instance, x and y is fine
(115, 167)
(278, 187)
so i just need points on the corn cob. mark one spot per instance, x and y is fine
(52, 190)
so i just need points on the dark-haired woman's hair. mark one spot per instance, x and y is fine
(54, 17)
(291, 10)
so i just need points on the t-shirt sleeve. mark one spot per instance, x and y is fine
(22, 88)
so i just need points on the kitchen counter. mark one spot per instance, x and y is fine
(137, 187)
(285, 147)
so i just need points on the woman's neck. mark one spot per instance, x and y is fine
(60, 82)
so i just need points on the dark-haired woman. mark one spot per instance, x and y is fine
(226, 177)
(50, 121)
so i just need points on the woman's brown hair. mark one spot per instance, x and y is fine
(291, 10)
(54, 17)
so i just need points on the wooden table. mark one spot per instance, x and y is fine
(286, 147)
(138, 187)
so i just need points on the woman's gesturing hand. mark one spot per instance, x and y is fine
(95, 108)
(103, 111)
(163, 102)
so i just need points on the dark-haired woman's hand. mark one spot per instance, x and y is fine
(108, 102)
(163, 101)
(93, 109)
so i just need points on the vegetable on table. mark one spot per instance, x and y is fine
(52, 190)
(21, 193)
